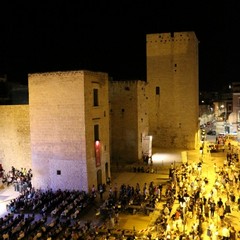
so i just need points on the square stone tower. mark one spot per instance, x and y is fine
(69, 128)
(172, 77)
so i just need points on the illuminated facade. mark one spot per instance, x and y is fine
(15, 147)
(63, 134)
(69, 119)
(172, 80)
(68, 131)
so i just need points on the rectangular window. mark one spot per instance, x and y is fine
(96, 132)
(95, 97)
(157, 90)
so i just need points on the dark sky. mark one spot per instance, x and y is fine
(98, 36)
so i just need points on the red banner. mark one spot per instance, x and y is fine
(97, 154)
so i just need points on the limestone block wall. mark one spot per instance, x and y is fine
(97, 115)
(128, 119)
(15, 137)
(62, 119)
(172, 67)
(58, 134)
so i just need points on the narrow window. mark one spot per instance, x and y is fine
(95, 97)
(96, 132)
(157, 90)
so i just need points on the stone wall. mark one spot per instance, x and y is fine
(97, 115)
(172, 67)
(62, 119)
(15, 137)
(129, 120)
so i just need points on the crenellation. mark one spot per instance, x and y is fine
(168, 37)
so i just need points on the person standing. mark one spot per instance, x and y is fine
(160, 191)
(225, 233)
(116, 216)
(220, 203)
(227, 207)
(93, 191)
(221, 212)
(212, 208)
(206, 210)
(101, 191)
(190, 209)
(233, 233)
(108, 181)
(171, 171)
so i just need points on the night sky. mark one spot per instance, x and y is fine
(98, 36)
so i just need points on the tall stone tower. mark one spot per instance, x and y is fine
(172, 77)
(69, 129)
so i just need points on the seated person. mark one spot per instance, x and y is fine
(44, 209)
(64, 213)
(75, 214)
(54, 211)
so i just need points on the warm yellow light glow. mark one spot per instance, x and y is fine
(159, 158)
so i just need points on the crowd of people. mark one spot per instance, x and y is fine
(61, 210)
(20, 178)
(194, 206)
(203, 207)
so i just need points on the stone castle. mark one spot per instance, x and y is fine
(79, 122)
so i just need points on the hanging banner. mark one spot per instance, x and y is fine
(97, 153)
